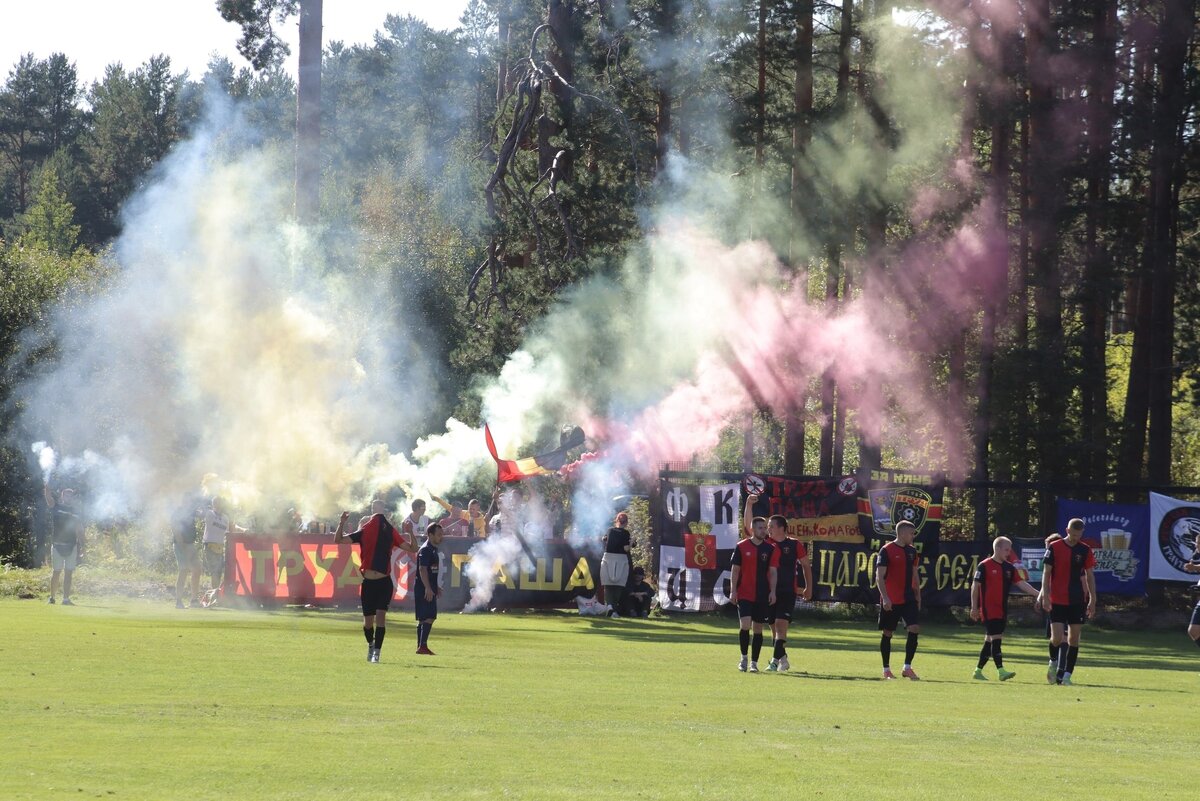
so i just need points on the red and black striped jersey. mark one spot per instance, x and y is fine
(1070, 564)
(900, 563)
(754, 562)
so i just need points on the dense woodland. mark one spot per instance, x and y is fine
(487, 170)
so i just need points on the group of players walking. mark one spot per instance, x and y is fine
(767, 563)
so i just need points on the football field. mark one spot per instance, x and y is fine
(126, 699)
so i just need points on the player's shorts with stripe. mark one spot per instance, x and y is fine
(1196, 616)
(908, 612)
(782, 609)
(376, 595)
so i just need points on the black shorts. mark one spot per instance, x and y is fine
(425, 610)
(995, 627)
(909, 612)
(1070, 614)
(757, 611)
(782, 609)
(376, 595)
(1196, 616)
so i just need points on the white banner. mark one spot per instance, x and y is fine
(1174, 527)
(678, 585)
(720, 506)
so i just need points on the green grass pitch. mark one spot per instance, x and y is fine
(125, 699)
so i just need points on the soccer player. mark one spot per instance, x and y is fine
(376, 539)
(899, 596)
(754, 573)
(792, 554)
(428, 589)
(1192, 566)
(1069, 595)
(994, 577)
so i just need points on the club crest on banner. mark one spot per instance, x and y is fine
(893, 505)
(1177, 533)
(700, 547)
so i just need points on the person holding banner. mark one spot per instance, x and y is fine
(1069, 595)
(899, 596)
(792, 554)
(994, 578)
(754, 572)
(376, 539)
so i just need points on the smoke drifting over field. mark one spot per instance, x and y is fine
(227, 345)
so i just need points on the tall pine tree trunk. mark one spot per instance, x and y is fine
(1045, 205)
(668, 22)
(1174, 31)
(308, 114)
(994, 293)
(1093, 388)
(870, 445)
(802, 106)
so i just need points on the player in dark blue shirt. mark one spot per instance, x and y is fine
(427, 589)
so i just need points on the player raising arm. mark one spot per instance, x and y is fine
(754, 571)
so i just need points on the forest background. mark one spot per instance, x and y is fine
(1041, 153)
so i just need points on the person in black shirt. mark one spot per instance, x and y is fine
(638, 595)
(427, 589)
(66, 540)
(615, 564)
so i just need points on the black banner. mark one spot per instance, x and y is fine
(847, 572)
(841, 572)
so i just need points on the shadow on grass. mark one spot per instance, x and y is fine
(826, 676)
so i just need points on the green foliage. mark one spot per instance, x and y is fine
(32, 278)
(49, 224)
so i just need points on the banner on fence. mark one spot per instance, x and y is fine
(887, 497)
(312, 569)
(699, 522)
(1174, 527)
(841, 572)
(1120, 538)
(697, 525)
